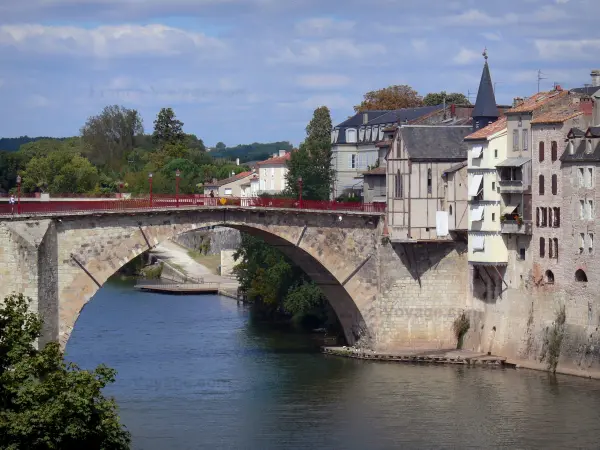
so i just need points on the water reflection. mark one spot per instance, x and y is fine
(195, 372)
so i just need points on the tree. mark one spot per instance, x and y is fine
(111, 135)
(392, 97)
(437, 98)
(46, 403)
(167, 129)
(312, 161)
(220, 146)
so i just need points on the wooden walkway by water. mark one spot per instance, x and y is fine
(185, 288)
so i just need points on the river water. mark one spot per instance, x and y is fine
(196, 372)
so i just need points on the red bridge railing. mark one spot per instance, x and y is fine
(66, 204)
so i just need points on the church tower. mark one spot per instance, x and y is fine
(486, 110)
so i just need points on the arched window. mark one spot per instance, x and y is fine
(549, 277)
(554, 149)
(541, 151)
(450, 209)
(581, 276)
(554, 184)
(541, 184)
(542, 247)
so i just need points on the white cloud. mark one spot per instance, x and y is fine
(474, 17)
(323, 81)
(492, 36)
(331, 101)
(466, 56)
(305, 53)
(324, 26)
(585, 49)
(37, 101)
(108, 41)
(419, 45)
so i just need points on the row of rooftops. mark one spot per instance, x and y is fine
(277, 159)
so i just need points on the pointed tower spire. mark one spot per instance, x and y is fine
(486, 110)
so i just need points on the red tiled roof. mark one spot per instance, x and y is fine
(485, 132)
(276, 160)
(376, 171)
(558, 115)
(225, 181)
(536, 101)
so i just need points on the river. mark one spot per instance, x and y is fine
(196, 372)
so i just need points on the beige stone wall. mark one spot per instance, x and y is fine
(227, 263)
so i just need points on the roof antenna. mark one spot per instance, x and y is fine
(485, 54)
(540, 78)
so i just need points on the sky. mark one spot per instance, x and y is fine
(242, 71)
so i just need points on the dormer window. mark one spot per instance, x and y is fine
(332, 136)
(588, 146)
(368, 138)
(361, 134)
(381, 133)
(571, 147)
(351, 135)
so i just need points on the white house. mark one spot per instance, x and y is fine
(272, 173)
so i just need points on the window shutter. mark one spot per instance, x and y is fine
(350, 161)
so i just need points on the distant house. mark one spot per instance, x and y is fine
(272, 173)
(229, 187)
(249, 188)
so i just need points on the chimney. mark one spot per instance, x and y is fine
(452, 110)
(282, 152)
(365, 118)
(586, 106)
(274, 155)
(595, 77)
(517, 101)
(237, 161)
(558, 88)
(214, 181)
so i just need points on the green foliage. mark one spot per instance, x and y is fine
(437, 98)
(13, 144)
(111, 135)
(461, 326)
(46, 403)
(391, 97)
(303, 298)
(312, 161)
(167, 129)
(220, 146)
(553, 340)
(153, 272)
(252, 152)
(9, 167)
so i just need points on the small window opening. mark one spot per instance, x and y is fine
(549, 277)
(581, 276)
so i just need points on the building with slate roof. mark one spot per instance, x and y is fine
(356, 144)
(426, 189)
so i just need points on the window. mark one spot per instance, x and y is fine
(590, 209)
(272, 171)
(556, 217)
(581, 276)
(590, 242)
(227, 191)
(550, 249)
(352, 161)
(541, 156)
(429, 181)
(581, 242)
(493, 185)
(544, 220)
(587, 177)
(351, 135)
(549, 277)
(541, 184)
(493, 217)
(554, 150)
(496, 154)
(571, 148)
(554, 184)
(537, 217)
(580, 177)
(450, 209)
(522, 254)
(590, 175)
(588, 146)
(399, 188)
(555, 248)
(272, 185)
(542, 247)
(525, 140)
(581, 209)
(515, 140)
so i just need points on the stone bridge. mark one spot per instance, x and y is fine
(385, 296)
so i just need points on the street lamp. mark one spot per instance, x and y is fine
(177, 175)
(300, 190)
(18, 194)
(150, 181)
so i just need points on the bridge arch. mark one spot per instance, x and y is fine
(338, 252)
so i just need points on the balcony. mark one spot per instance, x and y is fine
(516, 227)
(511, 186)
